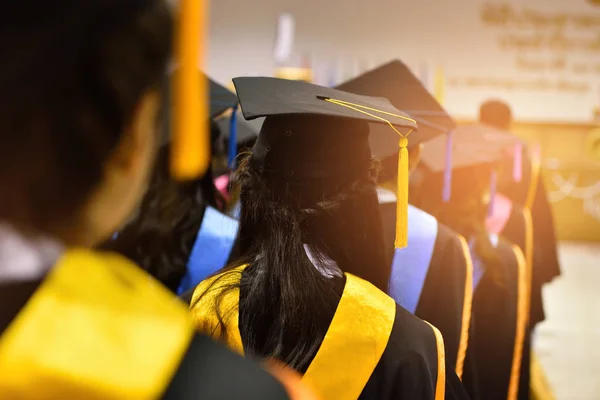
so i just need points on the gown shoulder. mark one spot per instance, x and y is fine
(409, 366)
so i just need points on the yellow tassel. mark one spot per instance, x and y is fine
(402, 197)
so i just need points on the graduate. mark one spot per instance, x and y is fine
(499, 309)
(524, 216)
(163, 233)
(525, 187)
(80, 94)
(431, 277)
(309, 286)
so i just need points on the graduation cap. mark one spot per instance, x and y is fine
(405, 91)
(396, 82)
(472, 145)
(243, 136)
(313, 132)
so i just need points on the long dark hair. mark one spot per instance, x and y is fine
(70, 83)
(286, 304)
(161, 236)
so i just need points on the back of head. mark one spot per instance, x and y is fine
(328, 197)
(71, 80)
(496, 113)
(298, 232)
(162, 234)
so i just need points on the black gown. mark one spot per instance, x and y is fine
(409, 367)
(205, 369)
(499, 325)
(531, 192)
(546, 264)
(519, 230)
(442, 300)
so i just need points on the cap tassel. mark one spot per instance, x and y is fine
(447, 188)
(232, 150)
(492, 193)
(402, 196)
(518, 163)
(402, 191)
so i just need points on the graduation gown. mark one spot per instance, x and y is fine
(123, 337)
(373, 349)
(530, 193)
(499, 322)
(514, 222)
(432, 276)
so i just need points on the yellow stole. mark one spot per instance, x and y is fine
(466, 310)
(97, 328)
(353, 344)
(522, 320)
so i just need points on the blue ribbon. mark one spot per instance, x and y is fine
(232, 151)
(411, 264)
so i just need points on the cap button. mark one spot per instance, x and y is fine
(403, 142)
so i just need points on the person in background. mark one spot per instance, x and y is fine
(309, 286)
(529, 211)
(162, 234)
(529, 192)
(498, 312)
(180, 232)
(431, 277)
(80, 89)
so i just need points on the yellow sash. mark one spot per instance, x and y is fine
(203, 308)
(466, 310)
(522, 318)
(353, 344)
(97, 328)
(535, 173)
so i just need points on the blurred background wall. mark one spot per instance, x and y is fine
(541, 56)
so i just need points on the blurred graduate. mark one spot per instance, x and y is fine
(523, 214)
(431, 277)
(499, 310)
(80, 91)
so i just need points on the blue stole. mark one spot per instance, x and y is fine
(411, 264)
(212, 248)
(478, 266)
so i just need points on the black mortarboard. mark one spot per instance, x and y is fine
(472, 145)
(313, 132)
(405, 91)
